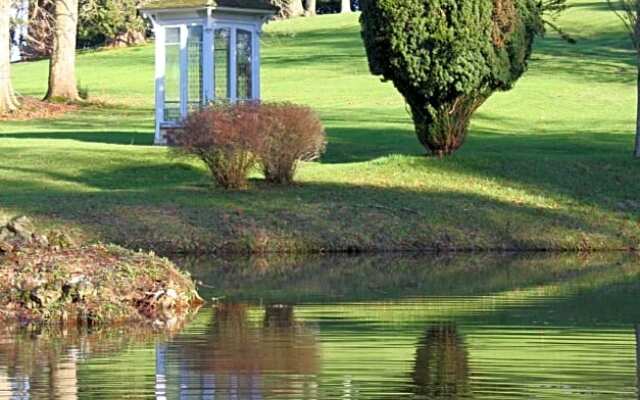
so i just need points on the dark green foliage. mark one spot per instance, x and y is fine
(110, 22)
(447, 57)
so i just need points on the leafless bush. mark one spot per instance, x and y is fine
(292, 133)
(226, 138)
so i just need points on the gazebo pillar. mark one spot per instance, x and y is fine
(207, 63)
(159, 80)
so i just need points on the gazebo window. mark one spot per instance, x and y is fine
(205, 51)
(222, 59)
(194, 60)
(244, 57)
(172, 75)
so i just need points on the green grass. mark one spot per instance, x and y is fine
(547, 165)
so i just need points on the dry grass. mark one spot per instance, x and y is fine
(92, 285)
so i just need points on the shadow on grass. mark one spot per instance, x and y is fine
(348, 145)
(171, 207)
(111, 137)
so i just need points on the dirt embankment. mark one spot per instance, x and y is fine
(46, 278)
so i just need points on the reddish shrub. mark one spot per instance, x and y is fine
(226, 137)
(292, 133)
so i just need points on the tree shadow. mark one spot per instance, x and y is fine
(111, 137)
(111, 124)
(171, 207)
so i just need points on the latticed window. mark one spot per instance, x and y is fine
(243, 61)
(172, 75)
(194, 68)
(222, 58)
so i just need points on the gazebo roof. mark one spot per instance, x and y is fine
(260, 5)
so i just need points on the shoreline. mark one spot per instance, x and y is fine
(254, 245)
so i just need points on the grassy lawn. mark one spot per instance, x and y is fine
(547, 166)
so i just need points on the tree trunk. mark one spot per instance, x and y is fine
(8, 101)
(635, 17)
(443, 132)
(129, 38)
(311, 7)
(290, 8)
(345, 6)
(636, 151)
(297, 8)
(62, 65)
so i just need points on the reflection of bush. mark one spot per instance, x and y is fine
(238, 345)
(279, 316)
(441, 368)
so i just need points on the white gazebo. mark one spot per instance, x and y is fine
(206, 50)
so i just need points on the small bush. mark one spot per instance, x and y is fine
(226, 138)
(83, 91)
(292, 133)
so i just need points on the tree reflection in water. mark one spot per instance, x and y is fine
(441, 370)
(45, 362)
(38, 363)
(638, 359)
(245, 357)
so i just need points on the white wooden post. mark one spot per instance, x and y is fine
(184, 73)
(160, 73)
(207, 65)
(233, 65)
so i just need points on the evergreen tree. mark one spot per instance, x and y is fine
(447, 57)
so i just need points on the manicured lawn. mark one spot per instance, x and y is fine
(547, 165)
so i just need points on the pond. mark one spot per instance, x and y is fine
(467, 327)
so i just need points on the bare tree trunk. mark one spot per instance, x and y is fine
(62, 66)
(636, 152)
(296, 8)
(634, 24)
(129, 38)
(311, 7)
(8, 101)
(345, 6)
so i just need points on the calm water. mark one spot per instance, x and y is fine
(362, 328)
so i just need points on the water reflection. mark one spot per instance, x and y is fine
(37, 364)
(363, 329)
(441, 369)
(243, 352)
(44, 363)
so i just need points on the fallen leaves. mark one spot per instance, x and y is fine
(31, 108)
(44, 283)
